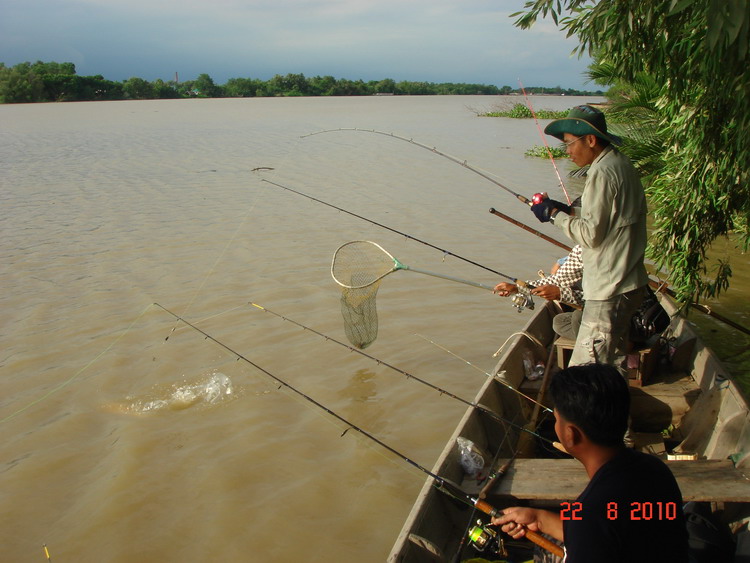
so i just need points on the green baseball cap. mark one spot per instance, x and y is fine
(582, 120)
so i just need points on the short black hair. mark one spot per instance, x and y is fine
(595, 398)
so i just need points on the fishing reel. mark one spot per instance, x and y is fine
(486, 539)
(522, 298)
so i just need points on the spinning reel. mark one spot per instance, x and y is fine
(522, 298)
(485, 539)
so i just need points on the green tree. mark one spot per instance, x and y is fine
(138, 89)
(20, 85)
(696, 53)
(385, 86)
(205, 87)
(242, 87)
(53, 68)
(346, 87)
(289, 85)
(73, 88)
(164, 90)
(322, 85)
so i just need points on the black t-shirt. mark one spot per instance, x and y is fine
(631, 511)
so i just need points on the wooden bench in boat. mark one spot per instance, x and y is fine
(643, 360)
(565, 479)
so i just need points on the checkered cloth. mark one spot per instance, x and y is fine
(568, 278)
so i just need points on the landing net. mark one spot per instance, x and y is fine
(360, 314)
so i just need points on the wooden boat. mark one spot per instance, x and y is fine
(688, 411)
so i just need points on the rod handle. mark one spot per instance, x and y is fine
(544, 543)
(488, 486)
(534, 537)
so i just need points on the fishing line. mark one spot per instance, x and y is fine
(467, 362)
(216, 262)
(441, 483)
(484, 174)
(407, 236)
(544, 140)
(407, 374)
(76, 374)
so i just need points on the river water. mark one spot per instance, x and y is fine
(127, 436)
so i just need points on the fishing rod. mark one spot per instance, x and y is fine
(415, 239)
(482, 536)
(544, 140)
(463, 163)
(414, 377)
(441, 483)
(531, 230)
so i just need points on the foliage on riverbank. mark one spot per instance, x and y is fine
(58, 82)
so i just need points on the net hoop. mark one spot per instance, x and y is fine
(361, 263)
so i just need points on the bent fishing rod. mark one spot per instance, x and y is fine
(485, 175)
(414, 377)
(441, 483)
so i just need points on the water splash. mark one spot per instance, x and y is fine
(207, 390)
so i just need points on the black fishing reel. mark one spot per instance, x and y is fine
(486, 539)
(522, 298)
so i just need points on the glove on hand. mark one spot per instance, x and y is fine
(544, 209)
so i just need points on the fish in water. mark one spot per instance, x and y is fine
(206, 390)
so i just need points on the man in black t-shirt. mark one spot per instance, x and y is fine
(631, 510)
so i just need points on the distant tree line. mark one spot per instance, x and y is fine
(58, 82)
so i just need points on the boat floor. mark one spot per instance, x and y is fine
(657, 405)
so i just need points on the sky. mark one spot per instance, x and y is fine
(470, 41)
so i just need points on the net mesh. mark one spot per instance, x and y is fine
(360, 263)
(360, 314)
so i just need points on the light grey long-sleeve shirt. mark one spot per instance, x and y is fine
(610, 226)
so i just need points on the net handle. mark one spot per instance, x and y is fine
(444, 277)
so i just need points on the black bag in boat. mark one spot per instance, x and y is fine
(649, 319)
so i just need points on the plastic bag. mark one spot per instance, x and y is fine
(473, 458)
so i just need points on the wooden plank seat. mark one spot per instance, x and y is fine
(565, 479)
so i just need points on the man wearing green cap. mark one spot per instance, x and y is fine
(610, 225)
